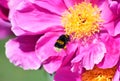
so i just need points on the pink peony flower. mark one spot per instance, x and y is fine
(92, 25)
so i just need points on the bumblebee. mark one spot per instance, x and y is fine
(62, 41)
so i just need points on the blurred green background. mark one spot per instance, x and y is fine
(9, 72)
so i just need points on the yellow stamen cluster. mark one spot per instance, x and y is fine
(98, 74)
(81, 20)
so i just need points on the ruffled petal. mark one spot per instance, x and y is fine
(38, 19)
(112, 55)
(64, 74)
(91, 55)
(45, 46)
(21, 52)
(94, 55)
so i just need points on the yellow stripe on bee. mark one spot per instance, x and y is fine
(66, 36)
(60, 42)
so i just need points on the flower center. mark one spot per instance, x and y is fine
(98, 74)
(82, 20)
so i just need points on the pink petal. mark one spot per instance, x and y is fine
(91, 55)
(79, 56)
(53, 65)
(94, 56)
(38, 19)
(54, 6)
(5, 30)
(117, 28)
(105, 9)
(76, 67)
(4, 10)
(4, 3)
(12, 6)
(117, 76)
(112, 55)
(110, 28)
(64, 74)
(113, 27)
(114, 6)
(71, 49)
(21, 52)
(118, 9)
(45, 46)
(96, 2)
(70, 3)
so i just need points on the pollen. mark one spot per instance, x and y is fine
(98, 74)
(82, 20)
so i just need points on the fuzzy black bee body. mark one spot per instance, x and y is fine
(62, 41)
